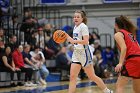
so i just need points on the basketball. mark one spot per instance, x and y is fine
(59, 36)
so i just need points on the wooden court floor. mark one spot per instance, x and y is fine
(84, 86)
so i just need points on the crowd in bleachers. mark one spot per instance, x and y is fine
(26, 48)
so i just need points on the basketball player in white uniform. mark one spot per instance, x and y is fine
(82, 54)
(82, 57)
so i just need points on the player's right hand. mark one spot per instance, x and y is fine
(118, 68)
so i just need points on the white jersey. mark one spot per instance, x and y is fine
(82, 54)
(78, 33)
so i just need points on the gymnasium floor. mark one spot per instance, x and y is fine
(84, 86)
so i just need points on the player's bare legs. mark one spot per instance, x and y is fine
(121, 83)
(136, 85)
(74, 71)
(91, 75)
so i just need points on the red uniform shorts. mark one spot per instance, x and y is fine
(131, 67)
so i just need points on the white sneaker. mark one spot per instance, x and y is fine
(38, 83)
(43, 82)
(110, 91)
(27, 84)
(106, 90)
(32, 85)
(78, 78)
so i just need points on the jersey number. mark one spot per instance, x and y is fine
(132, 38)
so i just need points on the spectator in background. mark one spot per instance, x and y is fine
(95, 36)
(13, 23)
(43, 70)
(19, 64)
(38, 62)
(49, 53)
(40, 40)
(97, 59)
(33, 39)
(62, 61)
(97, 46)
(51, 44)
(7, 64)
(92, 37)
(48, 28)
(29, 24)
(27, 57)
(30, 63)
(2, 40)
(12, 42)
(108, 58)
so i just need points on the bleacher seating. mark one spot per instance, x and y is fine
(51, 65)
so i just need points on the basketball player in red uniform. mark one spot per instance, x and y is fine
(129, 61)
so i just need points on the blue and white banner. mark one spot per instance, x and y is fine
(116, 1)
(52, 1)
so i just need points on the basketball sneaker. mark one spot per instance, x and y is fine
(110, 91)
(106, 90)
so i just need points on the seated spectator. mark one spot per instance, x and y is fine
(40, 41)
(27, 57)
(48, 53)
(61, 60)
(29, 62)
(7, 65)
(97, 59)
(97, 46)
(100, 68)
(19, 64)
(38, 62)
(108, 55)
(108, 58)
(51, 44)
(43, 70)
(63, 63)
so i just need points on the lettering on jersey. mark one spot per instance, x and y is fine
(75, 34)
(132, 37)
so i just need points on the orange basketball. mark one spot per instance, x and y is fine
(59, 36)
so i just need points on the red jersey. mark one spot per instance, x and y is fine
(18, 59)
(131, 67)
(132, 45)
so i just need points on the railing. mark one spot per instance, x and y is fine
(105, 39)
(66, 20)
(93, 30)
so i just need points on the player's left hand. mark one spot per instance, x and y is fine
(118, 68)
